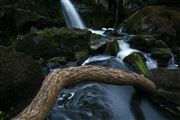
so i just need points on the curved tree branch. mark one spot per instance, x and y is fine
(56, 81)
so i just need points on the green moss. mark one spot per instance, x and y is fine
(52, 42)
(96, 36)
(2, 116)
(137, 62)
(60, 60)
(160, 21)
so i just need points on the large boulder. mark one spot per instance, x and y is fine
(162, 56)
(20, 79)
(168, 86)
(146, 43)
(162, 21)
(18, 16)
(52, 42)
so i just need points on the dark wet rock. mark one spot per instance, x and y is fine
(136, 60)
(161, 55)
(95, 13)
(162, 21)
(168, 86)
(81, 56)
(146, 43)
(103, 45)
(52, 42)
(175, 3)
(82, 103)
(20, 79)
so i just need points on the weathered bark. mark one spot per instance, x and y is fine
(60, 79)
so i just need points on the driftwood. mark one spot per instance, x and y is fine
(57, 80)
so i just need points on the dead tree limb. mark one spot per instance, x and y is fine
(56, 81)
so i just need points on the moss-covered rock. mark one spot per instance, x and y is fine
(162, 56)
(52, 42)
(162, 21)
(18, 16)
(136, 61)
(20, 79)
(146, 43)
(103, 45)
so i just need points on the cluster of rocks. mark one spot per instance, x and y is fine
(34, 40)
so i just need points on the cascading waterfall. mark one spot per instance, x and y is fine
(126, 50)
(73, 19)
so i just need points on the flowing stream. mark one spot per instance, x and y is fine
(97, 101)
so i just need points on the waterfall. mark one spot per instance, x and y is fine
(171, 63)
(72, 17)
(125, 49)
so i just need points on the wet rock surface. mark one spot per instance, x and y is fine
(168, 86)
(20, 79)
(104, 45)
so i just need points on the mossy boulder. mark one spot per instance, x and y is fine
(161, 55)
(20, 79)
(138, 63)
(103, 45)
(52, 42)
(162, 21)
(18, 16)
(146, 43)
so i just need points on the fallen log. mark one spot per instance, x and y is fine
(57, 80)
